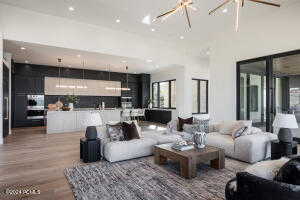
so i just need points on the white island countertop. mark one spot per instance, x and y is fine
(72, 121)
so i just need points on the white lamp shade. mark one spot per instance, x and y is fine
(92, 119)
(285, 121)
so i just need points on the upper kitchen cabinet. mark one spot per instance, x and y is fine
(65, 86)
(28, 85)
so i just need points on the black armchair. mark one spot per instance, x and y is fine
(251, 187)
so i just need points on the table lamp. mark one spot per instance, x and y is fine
(92, 120)
(285, 122)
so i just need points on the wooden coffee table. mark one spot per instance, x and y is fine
(189, 159)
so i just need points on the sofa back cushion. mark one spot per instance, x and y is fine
(290, 172)
(182, 121)
(228, 127)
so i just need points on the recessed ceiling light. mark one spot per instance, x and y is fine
(23, 48)
(181, 37)
(147, 20)
(71, 8)
(124, 61)
(149, 60)
(26, 61)
(78, 55)
(208, 52)
(152, 29)
(225, 10)
(118, 21)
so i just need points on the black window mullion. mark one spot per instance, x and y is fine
(198, 95)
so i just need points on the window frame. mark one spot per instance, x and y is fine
(199, 95)
(158, 94)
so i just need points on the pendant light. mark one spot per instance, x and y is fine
(119, 88)
(59, 104)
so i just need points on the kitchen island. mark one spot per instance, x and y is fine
(72, 121)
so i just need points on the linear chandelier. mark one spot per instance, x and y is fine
(119, 88)
(240, 4)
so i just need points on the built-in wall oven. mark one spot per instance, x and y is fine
(35, 107)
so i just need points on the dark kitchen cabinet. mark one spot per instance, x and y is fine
(159, 116)
(5, 99)
(20, 113)
(29, 85)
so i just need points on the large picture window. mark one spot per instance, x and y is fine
(164, 94)
(200, 96)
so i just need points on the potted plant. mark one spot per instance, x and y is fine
(72, 99)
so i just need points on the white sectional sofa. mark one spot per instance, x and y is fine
(249, 148)
(125, 150)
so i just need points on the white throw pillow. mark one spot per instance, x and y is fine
(267, 169)
(227, 127)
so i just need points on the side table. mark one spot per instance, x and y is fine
(90, 150)
(281, 149)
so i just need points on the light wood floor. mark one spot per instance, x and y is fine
(32, 158)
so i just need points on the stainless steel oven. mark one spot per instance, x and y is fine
(35, 107)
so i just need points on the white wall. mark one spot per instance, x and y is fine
(183, 76)
(278, 32)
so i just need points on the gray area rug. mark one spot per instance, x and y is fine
(141, 179)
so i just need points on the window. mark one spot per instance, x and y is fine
(200, 96)
(164, 94)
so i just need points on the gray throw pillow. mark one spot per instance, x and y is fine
(204, 124)
(115, 132)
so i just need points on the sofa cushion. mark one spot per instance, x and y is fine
(125, 150)
(228, 127)
(266, 169)
(290, 172)
(221, 141)
(253, 148)
(182, 121)
(161, 137)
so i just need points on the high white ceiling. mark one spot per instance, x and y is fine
(47, 55)
(131, 13)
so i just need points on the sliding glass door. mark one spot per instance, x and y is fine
(252, 100)
(267, 86)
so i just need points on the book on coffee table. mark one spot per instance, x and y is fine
(183, 147)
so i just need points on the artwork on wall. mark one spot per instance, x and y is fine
(253, 98)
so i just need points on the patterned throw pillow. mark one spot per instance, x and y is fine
(115, 132)
(239, 132)
(192, 128)
(203, 123)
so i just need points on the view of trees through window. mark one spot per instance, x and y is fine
(164, 94)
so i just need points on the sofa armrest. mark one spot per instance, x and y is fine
(251, 187)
